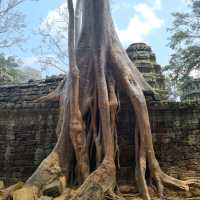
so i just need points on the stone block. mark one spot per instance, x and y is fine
(195, 192)
(68, 193)
(2, 186)
(25, 193)
(27, 132)
(53, 189)
(45, 198)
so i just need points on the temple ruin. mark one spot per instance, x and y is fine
(191, 90)
(27, 129)
(145, 60)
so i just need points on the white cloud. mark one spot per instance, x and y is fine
(29, 61)
(56, 19)
(119, 5)
(58, 16)
(40, 64)
(158, 4)
(74, 2)
(187, 1)
(195, 73)
(142, 23)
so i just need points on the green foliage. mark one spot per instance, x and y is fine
(185, 41)
(11, 72)
(183, 61)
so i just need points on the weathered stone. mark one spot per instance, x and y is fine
(67, 194)
(188, 194)
(45, 198)
(62, 197)
(2, 186)
(175, 128)
(93, 192)
(39, 155)
(62, 180)
(145, 60)
(25, 193)
(5, 193)
(128, 189)
(53, 189)
(27, 133)
(195, 192)
(191, 90)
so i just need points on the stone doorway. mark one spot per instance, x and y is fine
(125, 131)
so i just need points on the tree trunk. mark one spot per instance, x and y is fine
(99, 67)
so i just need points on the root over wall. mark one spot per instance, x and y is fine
(27, 133)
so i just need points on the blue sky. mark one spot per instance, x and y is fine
(158, 20)
(135, 20)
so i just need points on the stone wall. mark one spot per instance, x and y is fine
(27, 132)
(176, 135)
(176, 131)
(27, 129)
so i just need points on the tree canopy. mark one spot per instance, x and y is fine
(11, 72)
(52, 50)
(185, 41)
(12, 26)
(12, 23)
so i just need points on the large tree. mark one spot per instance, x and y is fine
(185, 41)
(12, 23)
(52, 50)
(86, 151)
(11, 71)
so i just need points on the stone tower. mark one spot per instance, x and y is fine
(191, 90)
(142, 56)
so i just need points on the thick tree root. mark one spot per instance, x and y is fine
(102, 180)
(47, 172)
(54, 95)
(5, 193)
(144, 151)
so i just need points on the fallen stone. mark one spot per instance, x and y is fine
(127, 189)
(68, 193)
(94, 192)
(2, 186)
(62, 179)
(195, 192)
(25, 193)
(62, 197)
(45, 198)
(5, 193)
(188, 194)
(53, 189)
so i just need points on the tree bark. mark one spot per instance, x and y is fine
(99, 67)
